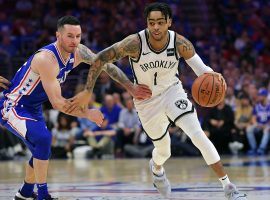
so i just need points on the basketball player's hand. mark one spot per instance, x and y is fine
(95, 115)
(78, 102)
(220, 78)
(4, 83)
(140, 92)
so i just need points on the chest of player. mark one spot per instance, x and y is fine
(64, 70)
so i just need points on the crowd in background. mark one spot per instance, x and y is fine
(235, 42)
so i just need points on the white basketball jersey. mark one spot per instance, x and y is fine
(156, 69)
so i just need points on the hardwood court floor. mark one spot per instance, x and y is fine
(125, 179)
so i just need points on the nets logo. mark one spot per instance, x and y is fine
(182, 104)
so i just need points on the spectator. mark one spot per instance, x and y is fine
(100, 139)
(219, 126)
(111, 110)
(129, 127)
(63, 137)
(260, 123)
(243, 116)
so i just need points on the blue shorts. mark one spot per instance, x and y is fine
(31, 129)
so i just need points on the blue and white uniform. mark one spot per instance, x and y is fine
(21, 106)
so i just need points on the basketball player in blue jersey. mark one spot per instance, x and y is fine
(154, 54)
(39, 80)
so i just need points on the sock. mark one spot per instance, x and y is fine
(158, 172)
(224, 180)
(27, 189)
(42, 191)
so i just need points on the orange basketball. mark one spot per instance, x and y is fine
(208, 91)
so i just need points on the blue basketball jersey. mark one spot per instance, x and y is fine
(262, 113)
(26, 91)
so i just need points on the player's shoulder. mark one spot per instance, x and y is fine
(129, 46)
(180, 37)
(132, 39)
(43, 60)
(184, 46)
(44, 56)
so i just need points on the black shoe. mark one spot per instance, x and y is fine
(19, 196)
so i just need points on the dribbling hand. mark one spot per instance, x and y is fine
(220, 78)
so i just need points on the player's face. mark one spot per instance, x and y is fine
(157, 25)
(69, 37)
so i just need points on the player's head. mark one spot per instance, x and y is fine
(159, 18)
(68, 33)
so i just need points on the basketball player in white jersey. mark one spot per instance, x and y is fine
(154, 55)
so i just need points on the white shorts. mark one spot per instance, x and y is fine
(157, 113)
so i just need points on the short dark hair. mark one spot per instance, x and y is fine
(157, 6)
(71, 20)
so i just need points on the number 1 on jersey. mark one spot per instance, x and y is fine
(155, 78)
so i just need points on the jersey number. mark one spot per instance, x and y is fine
(155, 78)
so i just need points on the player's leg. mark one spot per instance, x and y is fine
(155, 124)
(161, 152)
(40, 138)
(29, 172)
(27, 189)
(189, 123)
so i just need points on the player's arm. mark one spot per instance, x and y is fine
(46, 66)
(4, 83)
(187, 51)
(130, 46)
(84, 54)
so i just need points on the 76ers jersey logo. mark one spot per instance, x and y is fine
(182, 104)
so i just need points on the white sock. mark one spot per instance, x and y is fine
(158, 172)
(224, 180)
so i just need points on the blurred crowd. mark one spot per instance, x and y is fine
(235, 42)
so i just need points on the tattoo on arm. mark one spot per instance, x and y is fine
(86, 55)
(130, 46)
(116, 74)
(184, 46)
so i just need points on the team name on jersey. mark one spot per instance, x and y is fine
(158, 64)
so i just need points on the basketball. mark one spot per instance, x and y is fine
(207, 90)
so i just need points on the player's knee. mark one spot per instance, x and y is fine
(197, 136)
(206, 147)
(44, 139)
(43, 147)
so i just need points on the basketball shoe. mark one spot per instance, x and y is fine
(19, 196)
(160, 182)
(231, 193)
